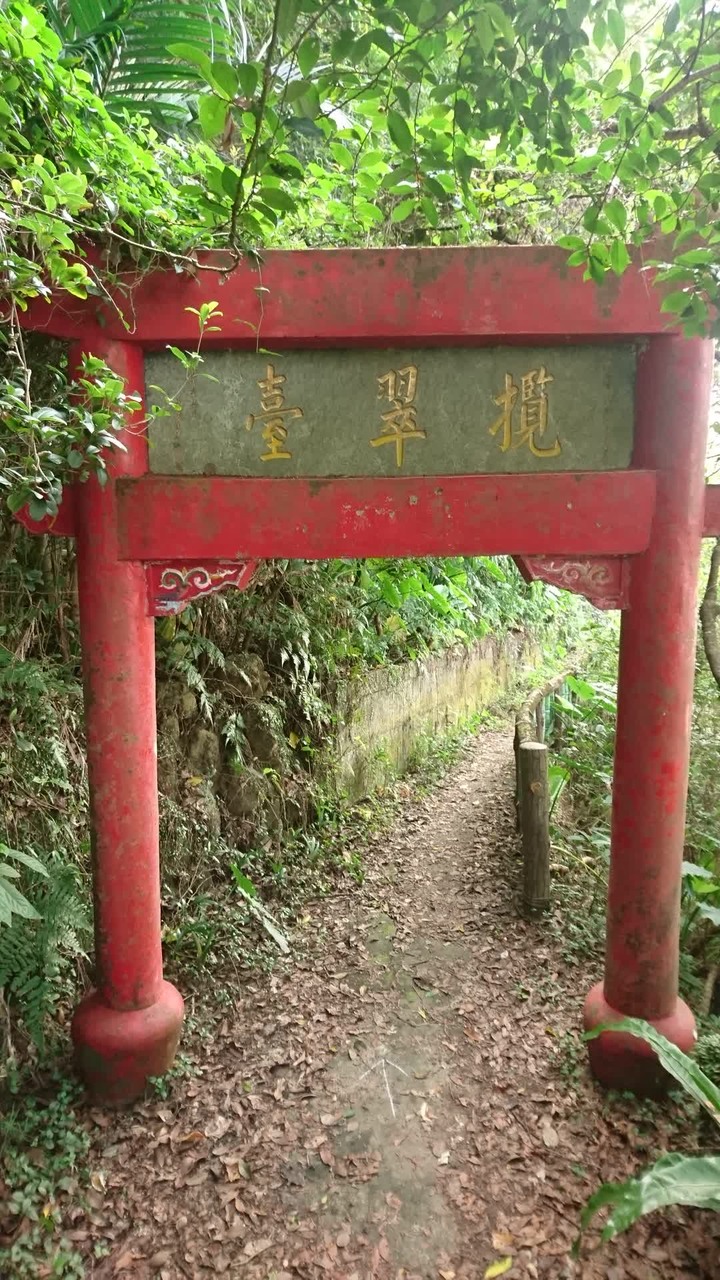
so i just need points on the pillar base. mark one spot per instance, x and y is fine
(116, 1050)
(620, 1061)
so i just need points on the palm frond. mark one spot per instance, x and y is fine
(123, 44)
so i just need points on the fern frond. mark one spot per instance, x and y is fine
(34, 953)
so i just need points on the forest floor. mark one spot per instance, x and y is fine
(405, 1098)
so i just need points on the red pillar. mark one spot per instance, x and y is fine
(126, 1029)
(657, 658)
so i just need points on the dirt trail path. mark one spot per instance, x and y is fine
(390, 1107)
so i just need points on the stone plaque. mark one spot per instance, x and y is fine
(426, 412)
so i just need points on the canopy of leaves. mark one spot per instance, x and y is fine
(324, 122)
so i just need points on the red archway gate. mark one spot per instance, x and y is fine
(382, 403)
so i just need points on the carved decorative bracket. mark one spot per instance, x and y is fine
(173, 584)
(603, 580)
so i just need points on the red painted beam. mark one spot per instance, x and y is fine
(371, 297)
(711, 523)
(207, 518)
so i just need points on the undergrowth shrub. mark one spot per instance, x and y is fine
(39, 958)
(43, 951)
(581, 835)
(43, 1149)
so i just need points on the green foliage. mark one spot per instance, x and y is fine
(126, 48)
(41, 778)
(70, 435)
(497, 121)
(673, 1060)
(351, 613)
(313, 626)
(249, 893)
(70, 174)
(673, 1179)
(582, 842)
(335, 124)
(707, 1054)
(183, 1068)
(37, 957)
(582, 772)
(42, 1161)
(12, 901)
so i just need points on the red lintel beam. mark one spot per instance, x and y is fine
(206, 518)
(711, 523)
(371, 297)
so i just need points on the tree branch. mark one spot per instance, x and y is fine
(693, 77)
(698, 130)
(254, 141)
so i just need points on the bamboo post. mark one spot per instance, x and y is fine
(516, 753)
(540, 717)
(535, 827)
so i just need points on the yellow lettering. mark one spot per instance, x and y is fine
(534, 411)
(400, 422)
(273, 415)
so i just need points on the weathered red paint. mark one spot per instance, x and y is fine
(132, 1008)
(657, 657)
(654, 515)
(63, 524)
(600, 513)
(711, 523)
(373, 297)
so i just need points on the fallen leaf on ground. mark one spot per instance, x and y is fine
(254, 1248)
(498, 1268)
(549, 1136)
(502, 1240)
(125, 1261)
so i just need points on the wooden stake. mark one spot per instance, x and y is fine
(535, 826)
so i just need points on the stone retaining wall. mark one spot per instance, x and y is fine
(383, 715)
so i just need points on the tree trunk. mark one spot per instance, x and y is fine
(710, 615)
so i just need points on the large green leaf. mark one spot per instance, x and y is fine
(676, 1063)
(13, 902)
(673, 1179)
(247, 890)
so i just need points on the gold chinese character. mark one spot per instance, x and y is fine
(271, 395)
(274, 433)
(506, 400)
(399, 384)
(274, 415)
(533, 414)
(399, 422)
